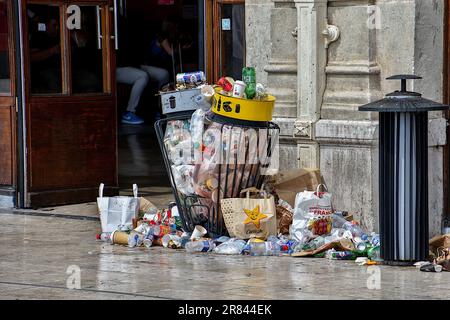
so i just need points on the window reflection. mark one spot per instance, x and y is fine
(5, 82)
(232, 44)
(87, 57)
(45, 49)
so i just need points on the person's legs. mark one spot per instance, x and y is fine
(160, 75)
(139, 80)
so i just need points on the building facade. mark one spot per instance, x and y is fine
(323, 59)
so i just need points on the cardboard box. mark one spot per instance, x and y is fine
(179, 101)
(289, 183)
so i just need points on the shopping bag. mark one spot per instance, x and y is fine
(312, 215)
(117, 213)
(247, 217)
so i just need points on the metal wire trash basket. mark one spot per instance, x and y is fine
(238, 172)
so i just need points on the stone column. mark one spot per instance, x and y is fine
(282, 76)
(314, 35)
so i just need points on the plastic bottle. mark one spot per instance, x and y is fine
(200, 246)
(264, 249)
(105, 237)
(318, 242)
(374, 254)
(249, 78)
(233, 246)
(354, 229)
(342, 255)
(375, 239)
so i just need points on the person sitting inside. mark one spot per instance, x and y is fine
(139, 80)
(128, 72)
(163, 51)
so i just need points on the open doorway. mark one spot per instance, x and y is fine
(157, 38)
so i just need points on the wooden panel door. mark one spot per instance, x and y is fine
(7, 103)
(225, 38)
(70, 107)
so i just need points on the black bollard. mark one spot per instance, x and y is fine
(403, 165)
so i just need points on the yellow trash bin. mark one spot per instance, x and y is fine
(243, 109)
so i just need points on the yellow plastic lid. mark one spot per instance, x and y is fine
(243, 109)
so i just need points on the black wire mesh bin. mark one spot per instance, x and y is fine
(212, 157)
(403, 163)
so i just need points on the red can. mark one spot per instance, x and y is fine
(225, 84)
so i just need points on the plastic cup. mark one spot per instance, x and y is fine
(239, 89)
(208, 92)
(198, 233)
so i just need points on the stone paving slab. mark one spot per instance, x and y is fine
(36, 251)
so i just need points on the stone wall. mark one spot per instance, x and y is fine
(319, 98)
(257, 19)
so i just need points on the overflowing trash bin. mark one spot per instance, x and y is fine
(218, 151)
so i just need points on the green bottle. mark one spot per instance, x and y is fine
(249, 77)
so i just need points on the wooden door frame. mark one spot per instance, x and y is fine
(213, 28)
(109, 92)
(9, 100)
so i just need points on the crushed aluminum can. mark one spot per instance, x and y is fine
(261, 92)
(191, 78)
(226, 84)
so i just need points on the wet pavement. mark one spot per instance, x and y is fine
(40, 255)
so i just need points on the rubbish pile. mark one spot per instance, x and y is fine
(311, 229)
(439, 255)
(225, 204)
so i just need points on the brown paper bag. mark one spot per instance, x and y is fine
(284, 219)
(289, 183)
(440, 241)
(247, 218)
(146, 206)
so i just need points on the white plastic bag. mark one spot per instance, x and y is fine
(312, 215)
(117, 213)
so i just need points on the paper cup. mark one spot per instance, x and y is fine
(175, 212)
(142, 228)
(135, 239)
(208, 92)
(119, 237)
(239, 89)
(198, 232)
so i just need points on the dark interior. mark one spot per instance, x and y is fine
(140, 159)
